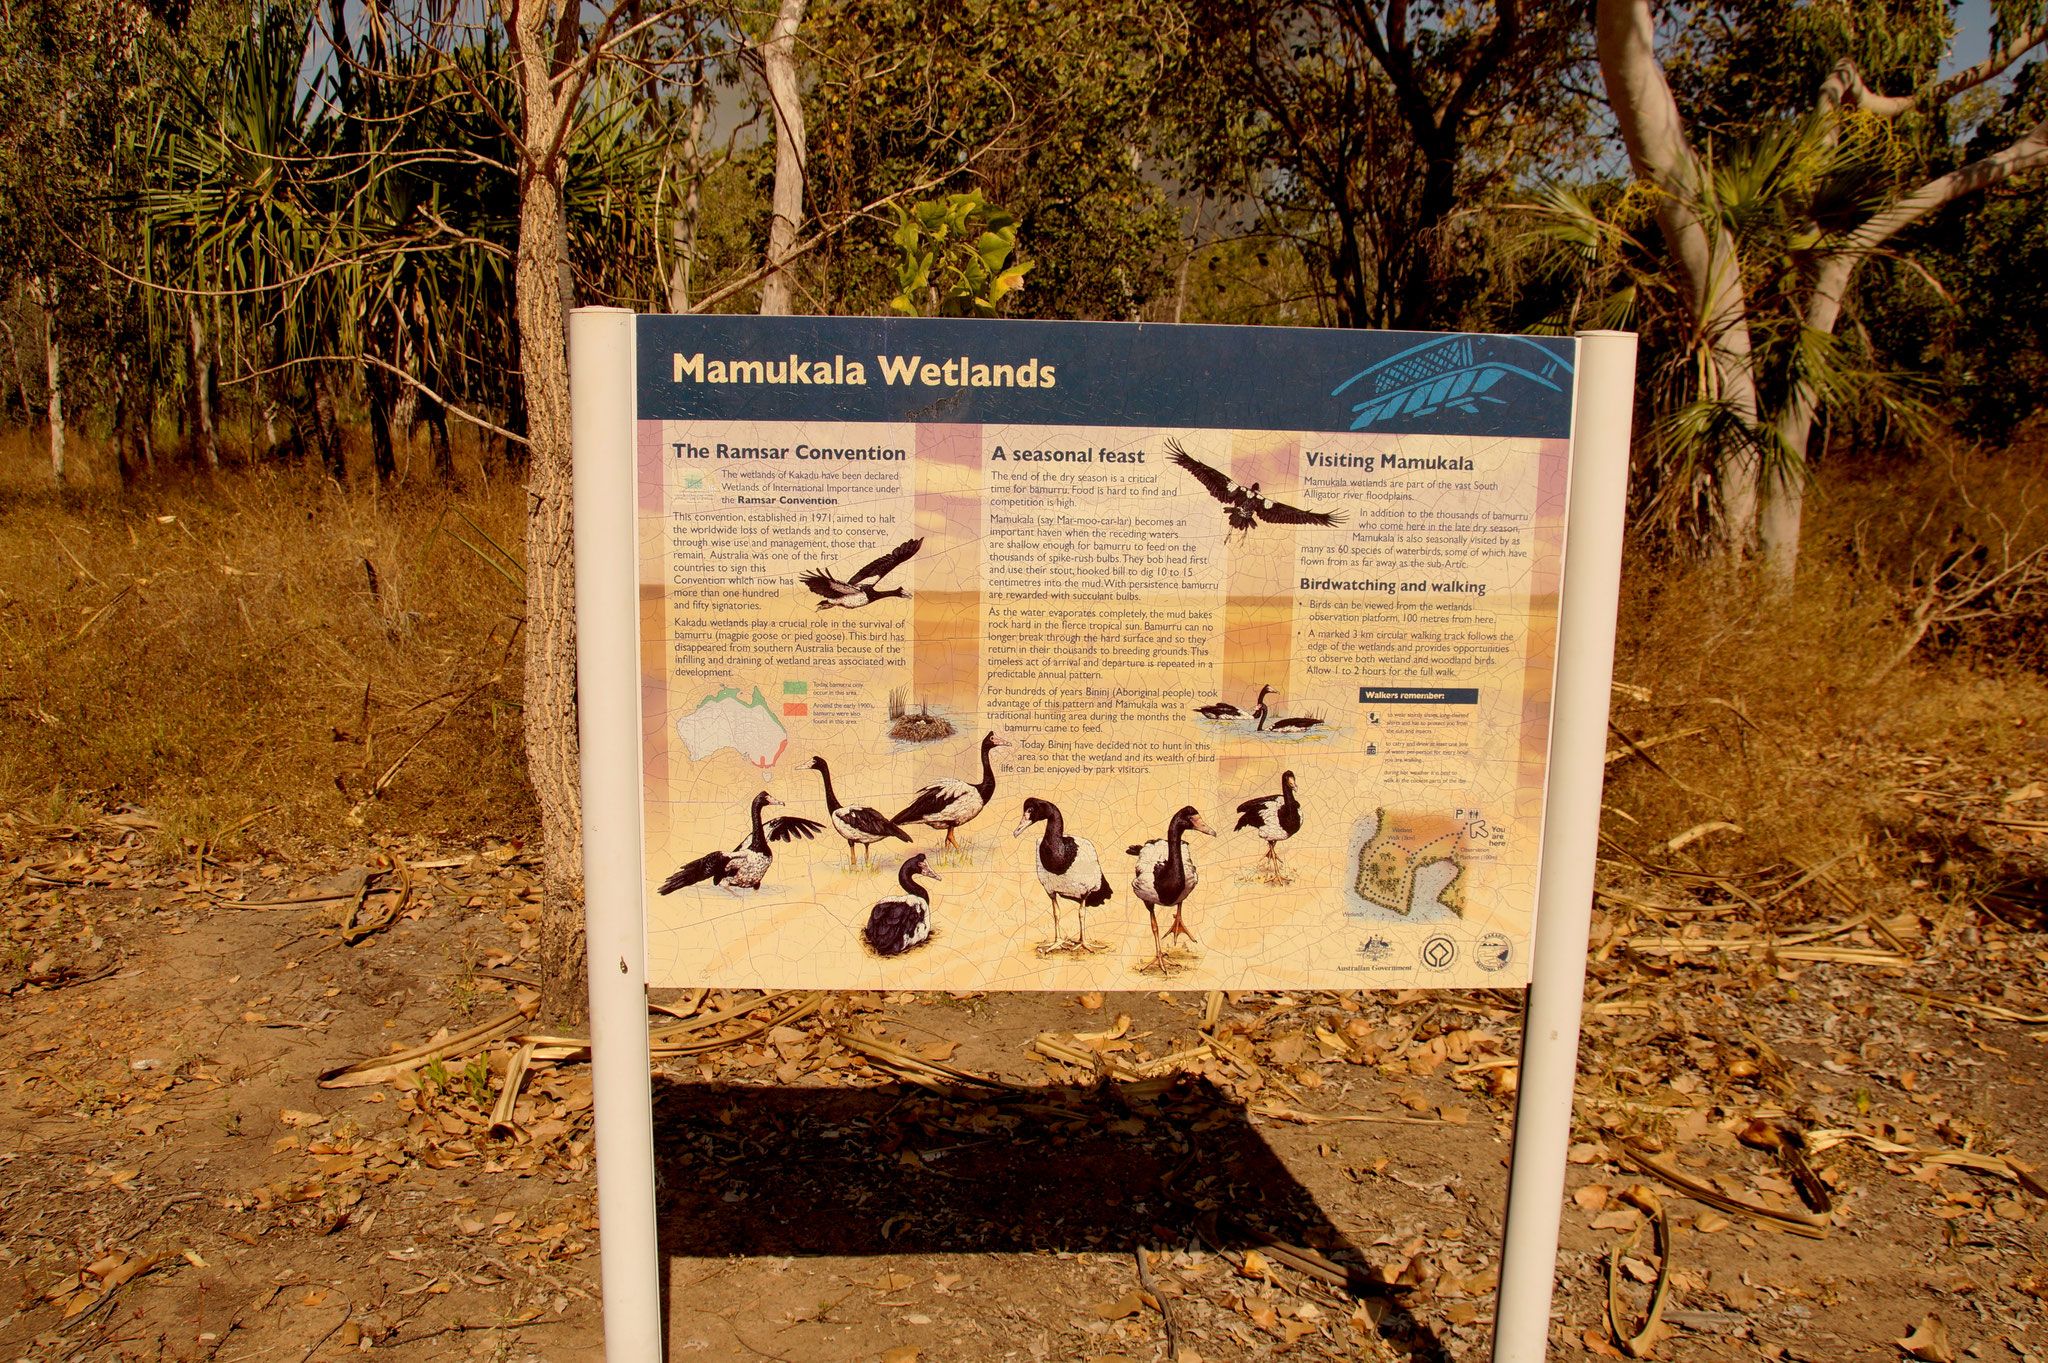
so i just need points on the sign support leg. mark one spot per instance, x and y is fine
(601, 402)
(1571, 834)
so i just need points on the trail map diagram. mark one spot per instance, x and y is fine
(1411, 862)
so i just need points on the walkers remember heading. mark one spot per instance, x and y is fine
(959, 372)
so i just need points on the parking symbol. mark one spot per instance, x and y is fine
(1439, 952)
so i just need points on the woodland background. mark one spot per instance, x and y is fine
(283, 477)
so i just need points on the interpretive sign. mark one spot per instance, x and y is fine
(1036, 655)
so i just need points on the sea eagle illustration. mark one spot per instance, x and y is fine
(1247, 506)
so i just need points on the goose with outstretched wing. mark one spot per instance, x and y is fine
(1247, 506)
(861, 589)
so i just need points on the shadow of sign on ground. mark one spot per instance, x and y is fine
(898, 1170)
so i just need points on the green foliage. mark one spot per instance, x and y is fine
(1042, 105)
(1739, 67)
(1965, 302)
(1374, 146)
(954, 253)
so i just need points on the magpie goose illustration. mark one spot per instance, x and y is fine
(903, 921)
(1295, 725)
(860, 825)
(861, 589)
(950, 802)
(1276, 818)
(1068, 868)
(1166, 877)
(743, 867)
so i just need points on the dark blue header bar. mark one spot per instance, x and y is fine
(731, 368)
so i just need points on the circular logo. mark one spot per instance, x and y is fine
(1494, 951)
(1438, 953)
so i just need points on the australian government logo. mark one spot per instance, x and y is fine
(1461, 375)
(1494, 952)
(1375, 955)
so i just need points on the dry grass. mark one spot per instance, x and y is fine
(265, 646)
(1795, 745)
(216, 651)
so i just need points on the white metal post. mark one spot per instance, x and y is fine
(1571, 835)
(601, 405)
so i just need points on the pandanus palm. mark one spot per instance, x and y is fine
(1774, 207)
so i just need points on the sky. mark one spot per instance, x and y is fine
(1973, 36)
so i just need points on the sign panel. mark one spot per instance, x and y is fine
(1029, 655)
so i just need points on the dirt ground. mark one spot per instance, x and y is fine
(1321, 1176)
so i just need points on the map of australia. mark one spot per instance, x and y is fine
(724, 720)
(1411, 862)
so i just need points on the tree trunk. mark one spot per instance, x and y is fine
(28, 413)
(684, 230)
(199, 378)
(385, 457)
(778, 67)
(550, 687)
(326, 427)
(53, 363)
(124, 435)
(1648, 117)
(1784, 495)
(443, 453)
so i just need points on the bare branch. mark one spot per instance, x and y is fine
(1844, 86)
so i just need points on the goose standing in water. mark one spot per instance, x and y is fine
(860, 825)
(743, 867)
(949, 802)
(903, 921)
(1299, 724)
(1276, 818)
(1166, 877)
(1068, 869)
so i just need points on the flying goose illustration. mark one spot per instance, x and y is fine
(860, 589)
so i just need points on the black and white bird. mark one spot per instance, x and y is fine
(903, 921)
(1166, 877)
(950, 802)
(1222, 709)
(1067, 867)
(1266, 725)
(860, 589)
(1276, 818)
(1247, 506)
(743, 867)
(861, 825)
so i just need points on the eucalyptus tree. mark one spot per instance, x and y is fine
(1851, 197)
